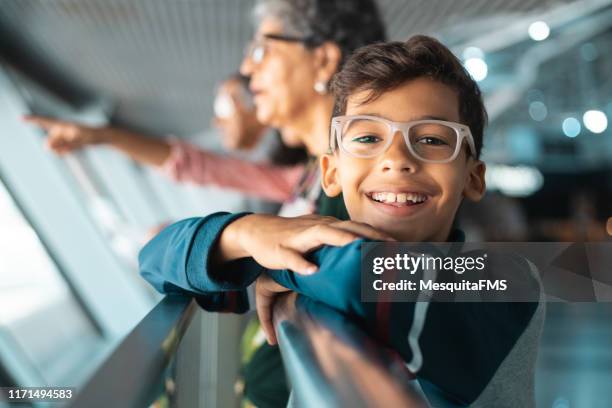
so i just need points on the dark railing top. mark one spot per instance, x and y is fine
(130, 377)
(332, 362)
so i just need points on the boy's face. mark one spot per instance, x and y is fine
(396, 171)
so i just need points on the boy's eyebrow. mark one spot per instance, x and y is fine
(424, 117)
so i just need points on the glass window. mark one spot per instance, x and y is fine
(124, 238)
(41, 320)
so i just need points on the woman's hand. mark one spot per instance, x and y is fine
(63, 136)
(280, 243)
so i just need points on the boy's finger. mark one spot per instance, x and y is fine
(328, 235)
(271, 286)
(265, 318)
(363, 230)
(295, 261)
(264, 301)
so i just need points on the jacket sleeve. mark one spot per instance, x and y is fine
(177, 260)
(188, 163)
(455, 347)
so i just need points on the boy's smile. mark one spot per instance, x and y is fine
(396, 192)
(396, 200)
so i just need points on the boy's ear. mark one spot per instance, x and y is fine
(327, 60)
(329, 175)
(475, 185)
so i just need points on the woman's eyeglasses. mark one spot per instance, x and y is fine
(433, 141)
(257, 49)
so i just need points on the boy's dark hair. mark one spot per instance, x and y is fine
(379, 68)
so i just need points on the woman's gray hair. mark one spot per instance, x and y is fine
(288, 14)
(348, 23)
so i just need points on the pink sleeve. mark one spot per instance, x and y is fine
(188, 163)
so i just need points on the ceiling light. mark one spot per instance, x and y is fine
(477, 68)
(539, 31)
(595, 120)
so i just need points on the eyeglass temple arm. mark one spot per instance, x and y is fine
(470, 139)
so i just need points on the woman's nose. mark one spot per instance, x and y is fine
(246, 67)
(397, 157)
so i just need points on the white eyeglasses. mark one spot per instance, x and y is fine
(432, 141)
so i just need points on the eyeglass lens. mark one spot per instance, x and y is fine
(429, 141)
(256, 51)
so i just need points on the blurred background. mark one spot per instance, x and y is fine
(71, 227)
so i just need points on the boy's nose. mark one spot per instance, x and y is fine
(398, 157)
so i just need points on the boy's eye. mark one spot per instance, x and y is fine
(366, 139)
(432, 141)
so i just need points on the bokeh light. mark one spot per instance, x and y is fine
(539, 31)
(538, 111)
(571, 127)
(477, 68)
(595, 120)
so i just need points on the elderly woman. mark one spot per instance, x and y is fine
(298, 46)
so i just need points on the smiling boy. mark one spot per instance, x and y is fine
(405, 140)
(408, 184)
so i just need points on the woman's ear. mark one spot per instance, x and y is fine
(475, 185)
(327, 60)
(329, 175)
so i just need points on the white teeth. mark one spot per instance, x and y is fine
(399, 197)
(416, 198)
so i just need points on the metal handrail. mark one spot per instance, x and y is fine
(331, 362)
(133, 375)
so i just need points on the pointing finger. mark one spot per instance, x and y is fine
(41, 121)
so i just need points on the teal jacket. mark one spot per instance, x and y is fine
(461, 345)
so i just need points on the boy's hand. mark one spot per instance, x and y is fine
(280, 243)
(266, 293)
(64, 137)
